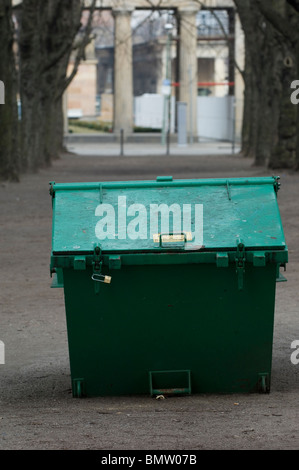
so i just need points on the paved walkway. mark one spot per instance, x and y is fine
(90, 147)
(37, 411)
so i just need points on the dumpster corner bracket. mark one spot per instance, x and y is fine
(240, 263)
(277, 183)
(52, 190)
(263, 382)
(79, 388)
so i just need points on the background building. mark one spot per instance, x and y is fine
(108, 84)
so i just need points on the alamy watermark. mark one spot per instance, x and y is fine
(295, 354)
(137, 222)
(2, 92)
(295, 94)
(2, 353)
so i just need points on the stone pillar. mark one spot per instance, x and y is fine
(188, 73)
(123, 71)
(239, 81)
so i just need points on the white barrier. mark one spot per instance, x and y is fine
(215, 115)
(149, 109)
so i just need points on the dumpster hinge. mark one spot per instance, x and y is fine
(277, 183)
(240, 263)
(97, 259)
(97, 264)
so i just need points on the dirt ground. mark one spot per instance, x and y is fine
(37, 410)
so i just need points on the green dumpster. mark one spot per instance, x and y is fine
(169, 285)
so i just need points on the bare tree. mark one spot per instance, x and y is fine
(285, 21)
(48, 31)
(269, 126)
(9, 153)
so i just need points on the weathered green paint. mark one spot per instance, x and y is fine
(251, 213)
(208, 310)
(164, 317)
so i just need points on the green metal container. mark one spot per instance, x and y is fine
(187, 310)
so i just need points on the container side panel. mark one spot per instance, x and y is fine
(170, 318)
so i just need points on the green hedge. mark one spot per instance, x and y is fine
(107, 127)
(94, 125)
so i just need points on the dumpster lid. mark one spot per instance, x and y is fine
(131, 216)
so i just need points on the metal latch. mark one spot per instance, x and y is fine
(240, 263)
(97, 258)
(97, 264)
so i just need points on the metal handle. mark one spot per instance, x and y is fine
(172, 237)
(101, 278)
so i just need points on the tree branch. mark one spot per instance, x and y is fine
(294, 4)
(81, 49)
(279, 23)
(202, 4)
(65, 44)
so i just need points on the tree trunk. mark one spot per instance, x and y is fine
(269, 127)
(295, 5)
(48, 30)
(284, 149)
(272, 37)
(257, 126)
(269, 95)
(53, 129)
(248, 129)
(9, 148)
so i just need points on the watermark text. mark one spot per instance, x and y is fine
(2, 353)
(138, 222)
(295, 94)
(2, 93)
(295, 354)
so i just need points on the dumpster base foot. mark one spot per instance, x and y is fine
(263, 382)
(78, 388)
